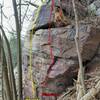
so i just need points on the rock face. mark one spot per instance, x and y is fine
(66, 63)
(42, 18)
(53, 78)
(68, 8)
(86, 2)
(94, 8)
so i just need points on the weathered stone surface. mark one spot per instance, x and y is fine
(98, 12)
(66, 63)
(63, 43)
(60, 71)
(48, 18)
(98, 53)
(86, 2)
(94, 8)
(45, 18)
(97, 3)
(68, 8)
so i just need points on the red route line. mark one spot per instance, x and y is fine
(50, 94)
(49, 35)
(50, 42)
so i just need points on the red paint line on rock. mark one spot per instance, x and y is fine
(49, 94)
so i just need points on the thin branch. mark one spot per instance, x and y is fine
(5, 78)
(1, 15)
(92, 93)
(25, 14)
(11, 65)
(32, 4)
(4, 15)
(1, 50)
(20, 15)
(80, 84)
(22, 4)
(67, 93)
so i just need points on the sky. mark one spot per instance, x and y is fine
(9, 21)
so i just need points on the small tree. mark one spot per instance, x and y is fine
(10, 66)
(13, 45)
(19, 57)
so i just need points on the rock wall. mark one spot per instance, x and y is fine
(65, 63)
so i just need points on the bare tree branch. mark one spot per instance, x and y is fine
(22, 4)
(25, 14)
(32, 4)
(20, 15)
(92, 93)
(13, 86)
(5, 77)
(80, 81)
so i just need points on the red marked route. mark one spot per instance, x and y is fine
(50, 94)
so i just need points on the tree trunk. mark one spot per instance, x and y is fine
(80, 81)
(6, 83)
(12, 81)
(18, 29)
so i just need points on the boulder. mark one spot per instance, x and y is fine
(63, 44)
(94, 8)
(68, 8)
(97, 4)
(47, 18)
(65, 66)
(43, 20)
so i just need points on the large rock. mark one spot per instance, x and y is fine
(48, 18)
(63, 44)
(97, 3)
(68, 8)
(94, 8)
(43, 19)
(65, 65)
